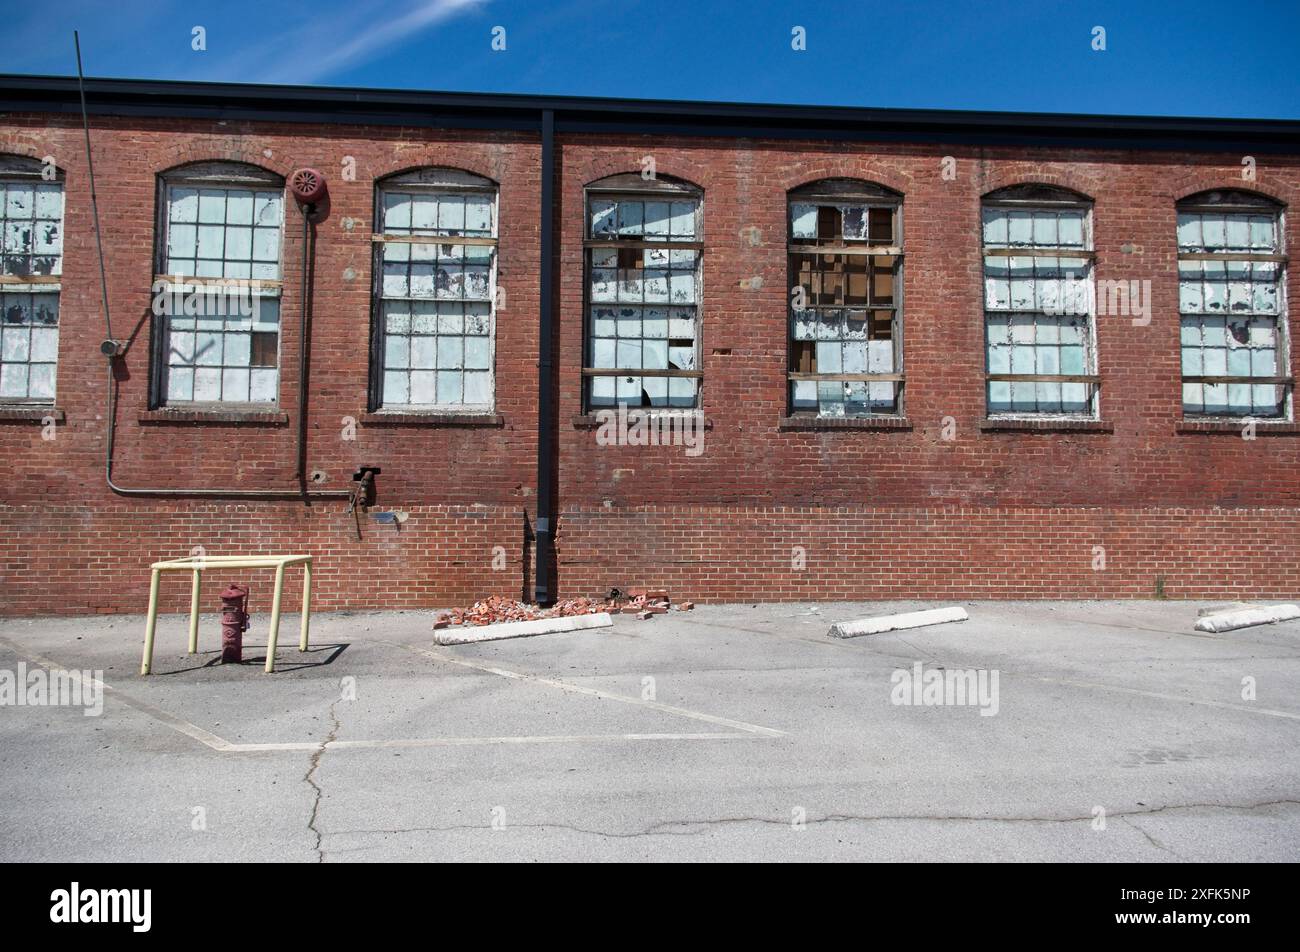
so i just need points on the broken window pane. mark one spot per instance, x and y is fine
(854, 218)
(1038, 309)
(31, 249)
(437, 296)
(882, 226)
(31, 228)
(642, 219)
(1230, 311)
(803, 220)
(602, 218)
(843, 315)
(643, 301)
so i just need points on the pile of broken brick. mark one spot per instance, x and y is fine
(642, 602)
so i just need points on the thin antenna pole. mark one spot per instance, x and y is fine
(94, 204)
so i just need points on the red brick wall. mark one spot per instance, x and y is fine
(860, 552)
(899, 512)
(72, 559)
(750, 461)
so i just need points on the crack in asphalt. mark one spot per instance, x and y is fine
(695, 827)
(310, 779)
(1152, 840)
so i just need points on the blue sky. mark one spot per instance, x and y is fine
(1193, 57)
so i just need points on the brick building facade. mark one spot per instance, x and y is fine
(1142, 492)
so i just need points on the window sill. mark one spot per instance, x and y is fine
(1281, 427)
(590, 421)
(247, 416)
(23, 413)
(418, 418)
(844, 423)
(1001, 424)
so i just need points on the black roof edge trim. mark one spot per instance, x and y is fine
(335, 105)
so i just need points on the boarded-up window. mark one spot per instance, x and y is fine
(1230, 304)
(219, 306)
(643, 254)
(31, 229)
(846, 267)
(435, 265)
(1038, 303)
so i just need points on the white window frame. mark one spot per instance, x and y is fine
(432, 242)
(176, 279)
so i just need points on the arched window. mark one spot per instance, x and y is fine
(1039, 303)
(1231, 306)
(846, 278)
(31, 223)
(435, 292)
(216, 295)
(643, 248)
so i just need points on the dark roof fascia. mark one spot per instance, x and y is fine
(391, 107)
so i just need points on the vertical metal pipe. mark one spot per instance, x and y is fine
(94, 201)
(194, 610)
(302, 351)
(306, 605)
(151, 622)
(273, 637)
(544, 528)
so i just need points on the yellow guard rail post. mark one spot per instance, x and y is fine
(195, 566)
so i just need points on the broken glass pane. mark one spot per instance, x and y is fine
(854, 219)
(603, 218)
(31, 243)
(803, 221)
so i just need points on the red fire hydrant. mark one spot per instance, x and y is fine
(234, 622)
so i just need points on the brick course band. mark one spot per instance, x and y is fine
(441, 557)
(729, 554)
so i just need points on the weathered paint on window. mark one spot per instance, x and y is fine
(1230, 310)
(223, 354)
(844, 304)
(1038, 307)
(437, 298)
(31, 228)
(643, 300)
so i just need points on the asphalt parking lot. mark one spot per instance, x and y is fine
(1115, 732)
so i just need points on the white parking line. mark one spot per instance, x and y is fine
(207, 738)
(593, 692)
(534, 739)
(1204, 702)
(475, 741)
(157, 713)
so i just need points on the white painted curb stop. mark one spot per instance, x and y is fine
(1248, 618)
(465, 635)
(883, 623)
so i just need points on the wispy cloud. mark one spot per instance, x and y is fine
(317, 53)
(313, 64)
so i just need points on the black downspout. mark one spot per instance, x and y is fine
(544, 528)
